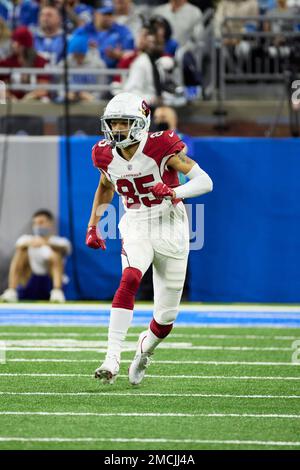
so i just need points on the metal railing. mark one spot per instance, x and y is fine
(56, 78)
(256, 54)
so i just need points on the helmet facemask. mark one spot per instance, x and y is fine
(133, 134)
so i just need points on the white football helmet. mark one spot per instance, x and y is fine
(130, 107)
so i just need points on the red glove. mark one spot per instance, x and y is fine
(161, 190)
(93, 238)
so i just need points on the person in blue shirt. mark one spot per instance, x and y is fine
(49, 39)
(111, 38)
(21, 13)
(77, 13)
(29, 13)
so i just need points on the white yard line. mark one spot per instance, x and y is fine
(149, 307)
(155, 376)
(135, 335)
(151, 440)
(171, 362)
(76, 345)
(146, 394)
(145, 415)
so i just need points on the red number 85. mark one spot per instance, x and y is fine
(132, 191)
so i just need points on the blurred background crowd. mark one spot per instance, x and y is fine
(164, 48)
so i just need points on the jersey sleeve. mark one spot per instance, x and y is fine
(162, 145)
(172, 143)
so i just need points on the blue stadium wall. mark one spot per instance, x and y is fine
(251, 251)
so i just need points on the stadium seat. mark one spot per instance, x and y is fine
(22, 125)
(79, 125)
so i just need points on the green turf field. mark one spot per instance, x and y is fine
(208, 388)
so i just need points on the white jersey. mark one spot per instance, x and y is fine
(132, 180)
(39, 256)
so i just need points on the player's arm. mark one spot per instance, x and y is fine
(199, 182)
(103, 196)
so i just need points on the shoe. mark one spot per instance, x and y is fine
(9, 295)
(57, 295)
(140, 362)
(109, 370)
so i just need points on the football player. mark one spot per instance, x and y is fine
(143, 168)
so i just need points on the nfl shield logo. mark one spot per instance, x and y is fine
(129, 167)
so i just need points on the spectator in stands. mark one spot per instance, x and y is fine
(78, 14)
(185, 20)
(112, 39)
(81, 56)
(165, 118)
(24, 55)
(5, 36)
(19, 12)
(37, 268)
(237, 48)
(234, 8)
(144, 78)
(130, 56)
(29, 13)
(154, 75)
(49, 39)
(203, 4)
(131, 15)
(163, 32)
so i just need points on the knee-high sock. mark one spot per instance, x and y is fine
(120, 320)
(155, 334)
(122, 310)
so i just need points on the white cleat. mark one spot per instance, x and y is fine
(9, 295)
(57, 295)
(109, 370)
(140, 362)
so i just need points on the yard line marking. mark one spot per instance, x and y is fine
(135, 335)
(155, 376)
(100, 307)
(91, 345)
(149, 394)
(183, 415)
(127, 361)
(150, 440)
(79, 346)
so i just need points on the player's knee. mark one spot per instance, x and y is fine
(131, 279)
(166, 316)
(129, 284)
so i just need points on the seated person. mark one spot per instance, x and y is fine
(37, 268)
(49, 37)
(113, 40)
(81, 56)
(24, 55)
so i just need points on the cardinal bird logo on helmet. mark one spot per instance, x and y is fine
(145, 108)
